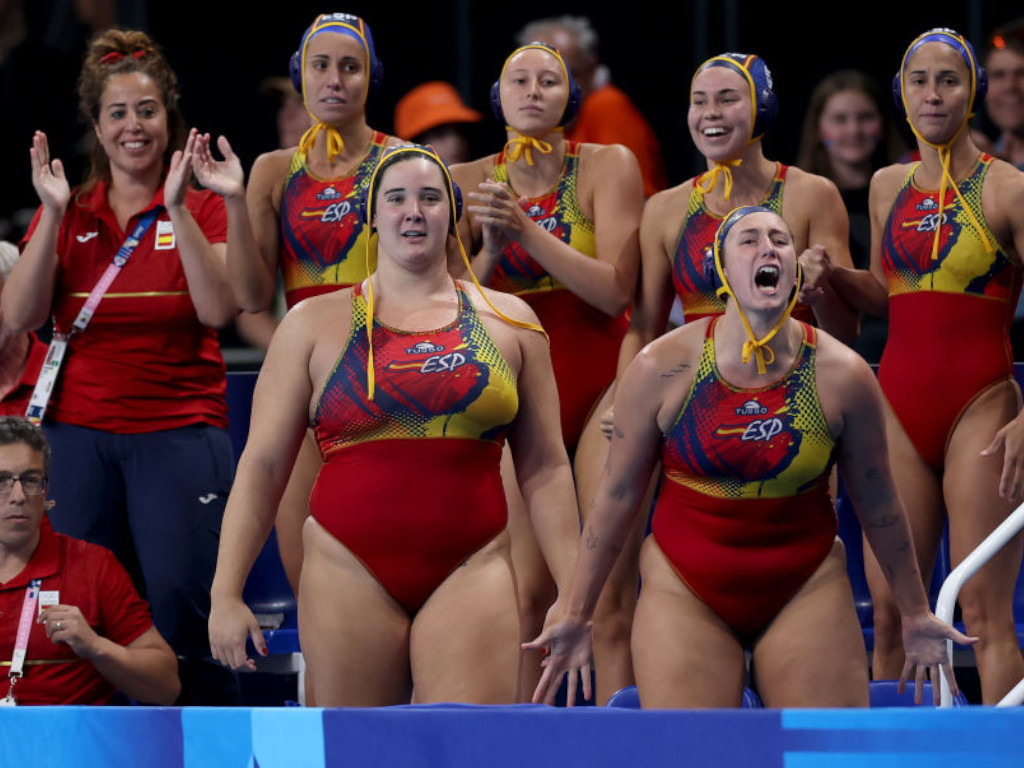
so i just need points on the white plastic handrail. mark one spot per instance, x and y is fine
(954, 583)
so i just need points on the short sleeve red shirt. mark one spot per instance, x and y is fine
(89, 577)
(145, 362)
(16, 401)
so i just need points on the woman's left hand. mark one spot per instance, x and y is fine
(494, 204)
(178, 173)
(1011, 439)
(924, 641)
(567, 646)
(225, 177)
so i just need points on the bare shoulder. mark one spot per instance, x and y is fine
(840, 369)
(468, 175)
(508, 304)
(885, 181)
(672, 354)
(668, 205)
(810, 188)
(608, 155)
(1007, 179)
(272, 165)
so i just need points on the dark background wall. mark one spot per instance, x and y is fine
(223, 50)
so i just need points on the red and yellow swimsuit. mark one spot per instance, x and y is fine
(693, 266)
(584, 340)
(744, 513)
(949, 317)
(411, 482)
(323, 234)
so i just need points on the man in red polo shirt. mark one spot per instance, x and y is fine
(73, 630)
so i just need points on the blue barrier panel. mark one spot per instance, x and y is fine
(463, 736)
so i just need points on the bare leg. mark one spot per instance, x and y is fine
(920, 492)
(975, 509)
(613, 616)
(812, 654)
(464, 644)
(355, 637)
(534, 585)
(684, 655)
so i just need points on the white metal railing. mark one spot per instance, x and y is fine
(954, 583)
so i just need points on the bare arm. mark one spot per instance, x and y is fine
(27, 297)
(484, 244)
(864, 462)
(1009, 195)
(542, 465)
(630, 461)
(654, 295)
(202, 262)
(252, 266)
(279, 417)
(828, 232)
(866, 289)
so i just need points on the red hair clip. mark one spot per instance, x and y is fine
(115, 56)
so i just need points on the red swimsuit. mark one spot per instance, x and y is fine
(949, 317)
(744, 513)
(411, 481)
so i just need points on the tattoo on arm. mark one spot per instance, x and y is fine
(678, 369)
(592, 540)
(618, 432)
(883, 521)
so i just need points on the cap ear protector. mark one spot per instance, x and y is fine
(762, 90)
(572, 104)
(344, 24)
(952, 38)
(367, 193)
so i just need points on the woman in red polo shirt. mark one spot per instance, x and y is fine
(137, 418)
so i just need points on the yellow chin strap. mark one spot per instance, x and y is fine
(945, 152)
(335, 145)
(429, 153)
(523, 146)
(709, 179)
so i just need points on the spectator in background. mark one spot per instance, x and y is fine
(21, 354)
(291, 117)
(87, 607)
(848, 134)
(1004, 61)
(607, 115)
(433, 113)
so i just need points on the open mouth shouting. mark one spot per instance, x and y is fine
(767, 278)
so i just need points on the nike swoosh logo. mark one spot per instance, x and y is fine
(207, 498)
(87, 237)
